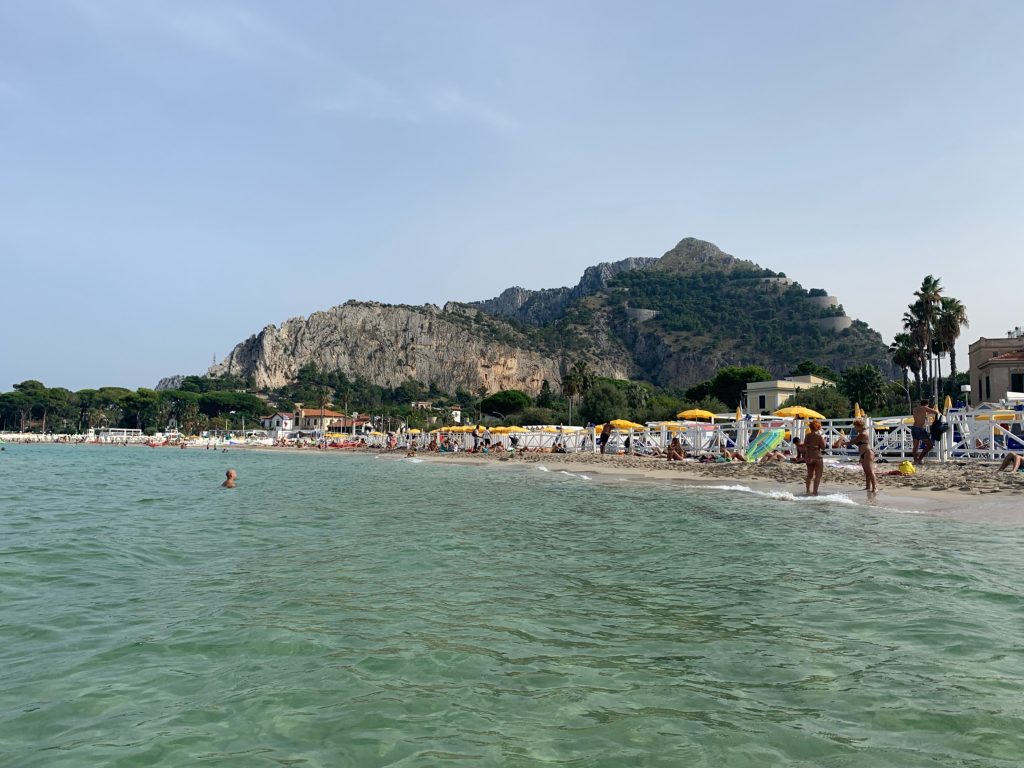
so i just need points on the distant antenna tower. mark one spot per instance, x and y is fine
(214, 358)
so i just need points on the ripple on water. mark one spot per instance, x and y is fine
(337, 610)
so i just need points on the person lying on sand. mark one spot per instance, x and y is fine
(1014, 459)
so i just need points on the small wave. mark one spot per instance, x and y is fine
(572, 474)
(414, 461)
(542, 468)
(835, 498)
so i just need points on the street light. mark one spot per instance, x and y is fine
(910, 406)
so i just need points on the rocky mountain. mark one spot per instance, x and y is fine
(457, 346)
(672, 321)
(549, 304)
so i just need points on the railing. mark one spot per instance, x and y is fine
(971, 436)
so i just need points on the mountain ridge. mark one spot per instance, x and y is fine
(671, 320)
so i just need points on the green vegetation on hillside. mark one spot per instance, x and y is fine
(743, 315)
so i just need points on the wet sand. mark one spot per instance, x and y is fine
(955, 489)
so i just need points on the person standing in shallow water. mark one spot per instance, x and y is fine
(229, 482)
(814, 444)
(867, 456)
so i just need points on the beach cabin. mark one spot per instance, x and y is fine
(768, 396)
(316, 419)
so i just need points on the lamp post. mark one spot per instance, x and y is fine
(910, 406)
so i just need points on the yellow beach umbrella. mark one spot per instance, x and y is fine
(996, 416)
(799, 412)
(516, 429)
(947, 403)
(739, 413)
(624, 424)
(695, 413)
(857, 412)
(414, 431)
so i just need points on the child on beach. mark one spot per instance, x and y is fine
(867, 456)
(814, 444)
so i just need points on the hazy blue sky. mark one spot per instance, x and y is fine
(174, 176)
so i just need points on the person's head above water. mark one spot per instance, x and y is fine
(230, 481)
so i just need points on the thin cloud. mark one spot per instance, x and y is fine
(452, 101)
(235, 33)
(363, 96)
(221, 29)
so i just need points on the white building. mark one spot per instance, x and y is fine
(278, 424)
(768, 396)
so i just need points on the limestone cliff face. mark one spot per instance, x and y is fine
(548, 304)
(452, 347)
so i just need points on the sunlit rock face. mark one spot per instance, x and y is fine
(451, 347)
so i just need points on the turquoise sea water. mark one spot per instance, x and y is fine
(362, 611)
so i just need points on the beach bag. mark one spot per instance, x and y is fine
(907, 468)
(938, 428)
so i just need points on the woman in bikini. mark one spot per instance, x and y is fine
(814, 444)
(867, 456)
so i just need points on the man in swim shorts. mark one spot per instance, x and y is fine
(919, 432)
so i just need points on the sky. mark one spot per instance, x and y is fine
(175, 176)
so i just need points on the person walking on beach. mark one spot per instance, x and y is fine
(867, 455)
(606, 433)
(919, 432)
(230, 481)
(814, 444)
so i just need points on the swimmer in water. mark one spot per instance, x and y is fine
(230, 481)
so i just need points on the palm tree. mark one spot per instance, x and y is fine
(915, 335)
(570, 387)
(929, 297)
(576, 382)
(907, 357)
(952, 318)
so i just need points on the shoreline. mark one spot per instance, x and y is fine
(936, 490)
(944, 489)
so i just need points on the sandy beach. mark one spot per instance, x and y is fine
(958, 490)
(969, 479)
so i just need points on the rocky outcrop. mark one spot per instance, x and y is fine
(170, 382)
(452, 348)
(692, 255)
(544, 306)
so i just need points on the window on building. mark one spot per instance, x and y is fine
(1017, 382)
(761, 402)
(988, 388)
